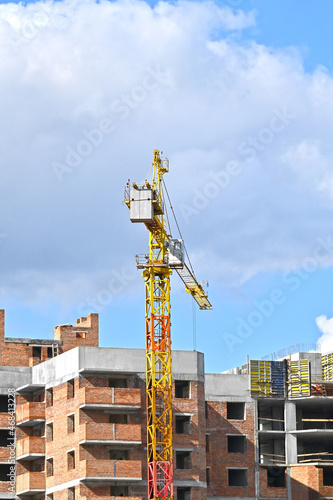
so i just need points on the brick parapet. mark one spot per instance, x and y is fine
(19, 352)
(85, 333)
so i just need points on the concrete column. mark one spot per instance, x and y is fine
(290, 425)
(256, 450)
(290, 415)
(289, 488)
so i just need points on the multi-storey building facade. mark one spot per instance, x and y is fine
(270, 430)
(261, 432)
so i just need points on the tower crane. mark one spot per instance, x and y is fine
(146, 203)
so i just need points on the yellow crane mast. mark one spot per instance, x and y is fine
(146, 204)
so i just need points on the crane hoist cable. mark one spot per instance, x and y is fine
(179, 231)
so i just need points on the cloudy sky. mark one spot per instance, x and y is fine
(238, 95)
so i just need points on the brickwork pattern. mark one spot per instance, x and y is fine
(218, 458)
(305, 483)
(84, 333)
(196, 439)
(325, 491)
(268, 491)
(115, 423)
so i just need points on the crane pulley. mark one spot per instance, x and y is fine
(146, 204)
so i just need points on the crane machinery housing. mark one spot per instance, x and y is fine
(146, 203)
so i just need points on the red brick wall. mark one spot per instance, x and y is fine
(195, 405)
(85, 333)
(62, 440)
(89, 459)
(20, 354)
(268, 491)
(218, 458)
(325, 491)
(305, 482)
(14, 354)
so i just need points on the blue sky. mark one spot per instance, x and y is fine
(302, 24)
(238, 95)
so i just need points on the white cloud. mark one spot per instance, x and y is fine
(325, 325)
(88, 90)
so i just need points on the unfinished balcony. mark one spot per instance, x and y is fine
(271, 451)
(315, 416)
(114, 491)
(314, 431)
(316, 458)
(104, 472)
(30, 448)
(315, 449)
(30, 414)
(30, 483)
(110, 399)
(271, 416)
(119, 435)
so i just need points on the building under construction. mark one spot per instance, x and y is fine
(262, 431)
